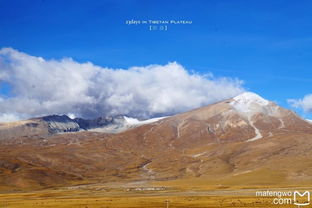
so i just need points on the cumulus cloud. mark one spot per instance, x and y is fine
(305, 103)
(8, 117)
(41, 87)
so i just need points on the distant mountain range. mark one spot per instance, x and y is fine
(53, 124)
(243, 140)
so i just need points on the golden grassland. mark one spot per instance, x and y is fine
(186, 193)
(136, 201)
(84, 200)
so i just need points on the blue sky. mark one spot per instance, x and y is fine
(267, 44)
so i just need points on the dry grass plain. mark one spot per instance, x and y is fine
(171, 194)
(287, 166)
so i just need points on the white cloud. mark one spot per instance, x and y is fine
(42, 87)
(305, 103)
(8, 117)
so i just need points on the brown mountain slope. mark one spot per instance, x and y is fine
(19, 129)
(242, 140)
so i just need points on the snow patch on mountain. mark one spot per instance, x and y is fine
(71, 115)
(124, 124)
(137, 122)
(249, 102)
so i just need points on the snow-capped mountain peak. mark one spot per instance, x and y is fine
(249, 102)
(250, 97)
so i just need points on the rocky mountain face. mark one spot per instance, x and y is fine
(53, 124)
(243, 140)
(58, 124)
(38, 127)
(99, 122)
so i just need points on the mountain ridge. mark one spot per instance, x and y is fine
(53, 124)
(245, 108)
(214, 143)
